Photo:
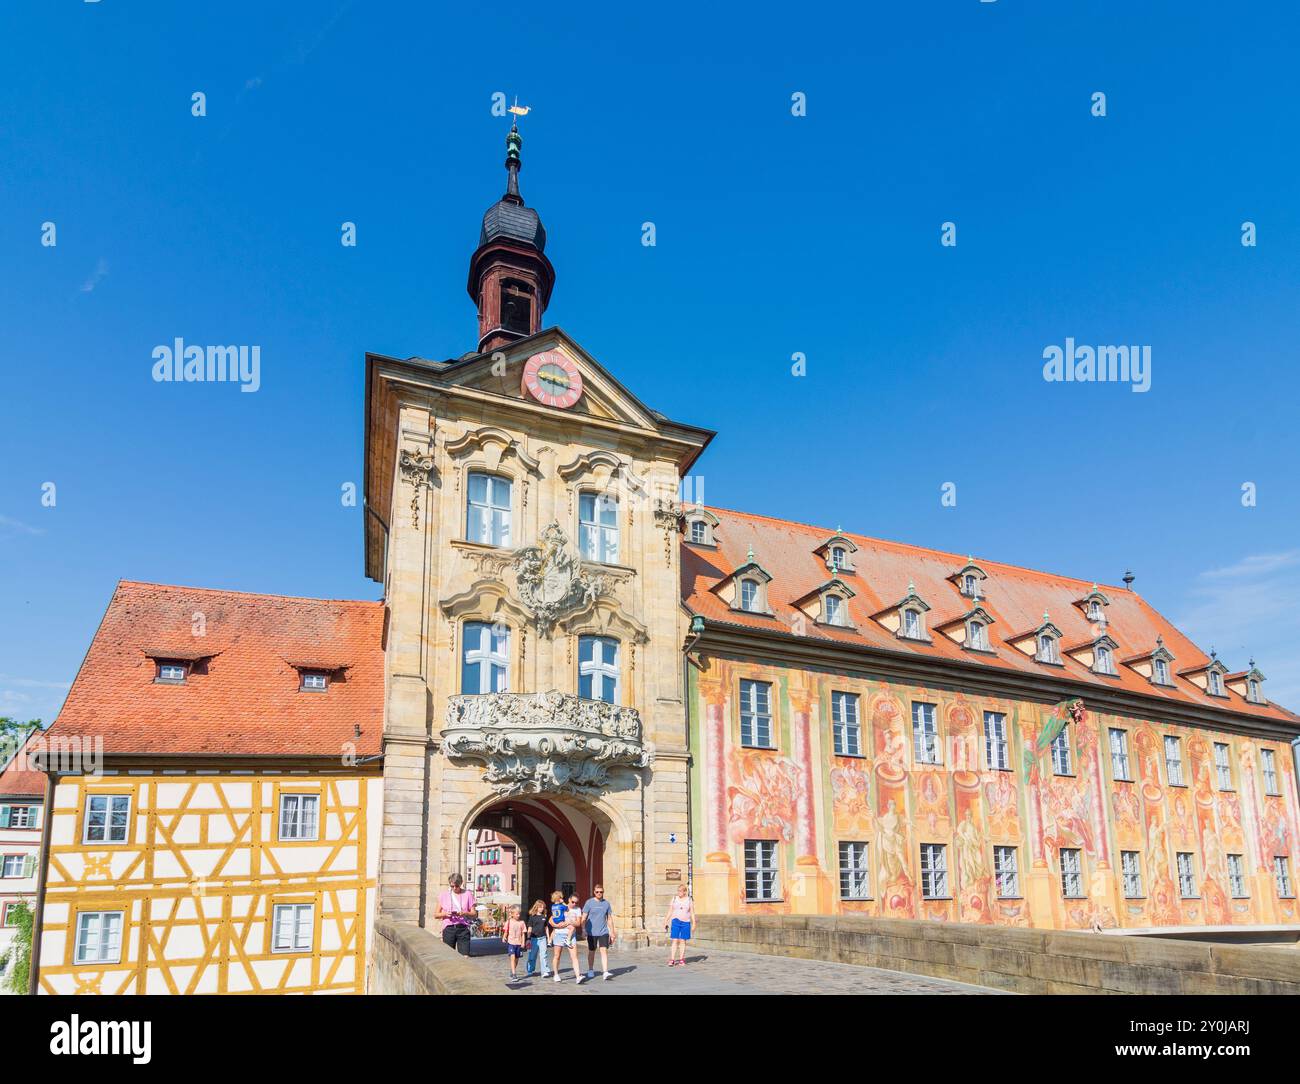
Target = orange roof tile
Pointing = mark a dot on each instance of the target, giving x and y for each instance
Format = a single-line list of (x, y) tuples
[(18, 779), (1015, 597), (245, 699)]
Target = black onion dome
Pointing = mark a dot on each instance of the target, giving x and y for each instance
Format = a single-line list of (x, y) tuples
[(513, 222)]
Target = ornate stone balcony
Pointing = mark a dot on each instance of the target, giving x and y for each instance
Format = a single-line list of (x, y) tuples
[(531, 743)]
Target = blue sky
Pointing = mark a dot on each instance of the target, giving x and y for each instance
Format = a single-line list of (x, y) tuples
[(776, 234)]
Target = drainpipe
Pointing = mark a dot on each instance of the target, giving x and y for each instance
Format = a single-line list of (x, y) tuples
[(38, 917), (697, 630)]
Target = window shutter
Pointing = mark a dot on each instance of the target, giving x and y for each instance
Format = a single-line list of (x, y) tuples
[(29, 866), (5, 811), (37, 813)]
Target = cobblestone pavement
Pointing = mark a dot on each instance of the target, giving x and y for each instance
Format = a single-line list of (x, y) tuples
[(710, 971)]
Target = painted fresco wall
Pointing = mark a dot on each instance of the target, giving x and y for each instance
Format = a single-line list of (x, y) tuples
[(808, 799), (197, 878)]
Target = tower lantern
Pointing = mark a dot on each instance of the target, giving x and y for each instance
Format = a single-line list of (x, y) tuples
[(510, 278)]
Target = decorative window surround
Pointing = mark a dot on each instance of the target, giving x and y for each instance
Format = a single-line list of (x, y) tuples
[(700, 526), (837, 554), (816, 604), (906, 619), (1042, 644), (730, 589), (1097, 655), (1209, 677), (970, 580), (971, 630), (1249, 684), (1093, 606), (1156, 666)]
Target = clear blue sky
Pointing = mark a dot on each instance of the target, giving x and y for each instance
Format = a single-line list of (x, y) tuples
[(776, 234)]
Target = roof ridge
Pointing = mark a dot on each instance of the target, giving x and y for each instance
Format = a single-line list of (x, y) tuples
[(1085, 581), (249, 594)]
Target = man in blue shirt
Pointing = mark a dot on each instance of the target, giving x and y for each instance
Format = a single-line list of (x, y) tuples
[(598, 920)]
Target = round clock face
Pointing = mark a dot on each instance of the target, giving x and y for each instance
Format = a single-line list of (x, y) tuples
[(551, 378)]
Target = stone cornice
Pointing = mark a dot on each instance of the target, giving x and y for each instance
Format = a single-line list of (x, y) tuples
[(808, 653)]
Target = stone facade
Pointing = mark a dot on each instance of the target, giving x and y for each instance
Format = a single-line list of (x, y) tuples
[(618, 771)]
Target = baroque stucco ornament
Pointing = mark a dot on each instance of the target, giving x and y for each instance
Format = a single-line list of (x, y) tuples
[(551, 580), (535, 743)]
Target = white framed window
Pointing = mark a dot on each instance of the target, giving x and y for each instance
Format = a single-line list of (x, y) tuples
[(996, 751), (488, 509), (1006, 872), (756, 714), (17, 816), (1215, 683), (749, 595), (1237, 877), (699, 531), (1094, 610), (1160, 670), (99, 937), (107, 818), (299, 816), (315, 682), (172, 673), (1253, 686), (976, 636), (598, 527), (1268, 768), (846, 727), (1282, 874), (1130, 863), (598, 677), (1119, 764), (925, 734), (1047, 648), (968, 585), (855, 875), (12, 865), (1174, 761), (912, 624), (839, 559), (934, 871), (1223, 765), (1071, 873), (834, 609), (1186, 874), (1102, 662), (762, 880), (291, 927), (1061, 762), (485, 658)]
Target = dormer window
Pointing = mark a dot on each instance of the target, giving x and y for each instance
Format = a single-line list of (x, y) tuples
[(314, 681), (1047, 648), (1253, 693), (838, 558), (1160, 672), (1215, 685), (977, 636), (749, 595), (969, 579), (700, 526), (1102, 660), (837, 551), (172, 673), (834, 609), (1094, 610), (912, 624), (968, 585)]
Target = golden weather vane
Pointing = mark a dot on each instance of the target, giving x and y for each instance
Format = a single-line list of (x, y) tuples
[(517, 109)]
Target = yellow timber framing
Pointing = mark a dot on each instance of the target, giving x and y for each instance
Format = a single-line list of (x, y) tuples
[(209, 876)]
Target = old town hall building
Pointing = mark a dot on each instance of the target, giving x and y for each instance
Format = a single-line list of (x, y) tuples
[(635, 691)]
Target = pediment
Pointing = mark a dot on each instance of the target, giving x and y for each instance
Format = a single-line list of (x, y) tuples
[(501, 373)]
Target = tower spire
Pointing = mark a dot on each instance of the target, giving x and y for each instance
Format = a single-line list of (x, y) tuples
[(514, 141)]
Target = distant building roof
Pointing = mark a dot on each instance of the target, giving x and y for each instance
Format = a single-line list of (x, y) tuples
[(17, 780), (242, 696)]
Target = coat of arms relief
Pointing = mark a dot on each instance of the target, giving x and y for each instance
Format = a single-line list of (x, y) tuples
[(551, 581)]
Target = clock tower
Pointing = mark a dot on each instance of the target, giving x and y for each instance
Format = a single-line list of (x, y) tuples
[(510, 278)]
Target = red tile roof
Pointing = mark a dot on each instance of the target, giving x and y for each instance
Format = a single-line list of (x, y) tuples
[(1015, 597), (242, 697), (17, 779)]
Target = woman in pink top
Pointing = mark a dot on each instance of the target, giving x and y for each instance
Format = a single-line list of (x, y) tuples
[(678, 922)]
